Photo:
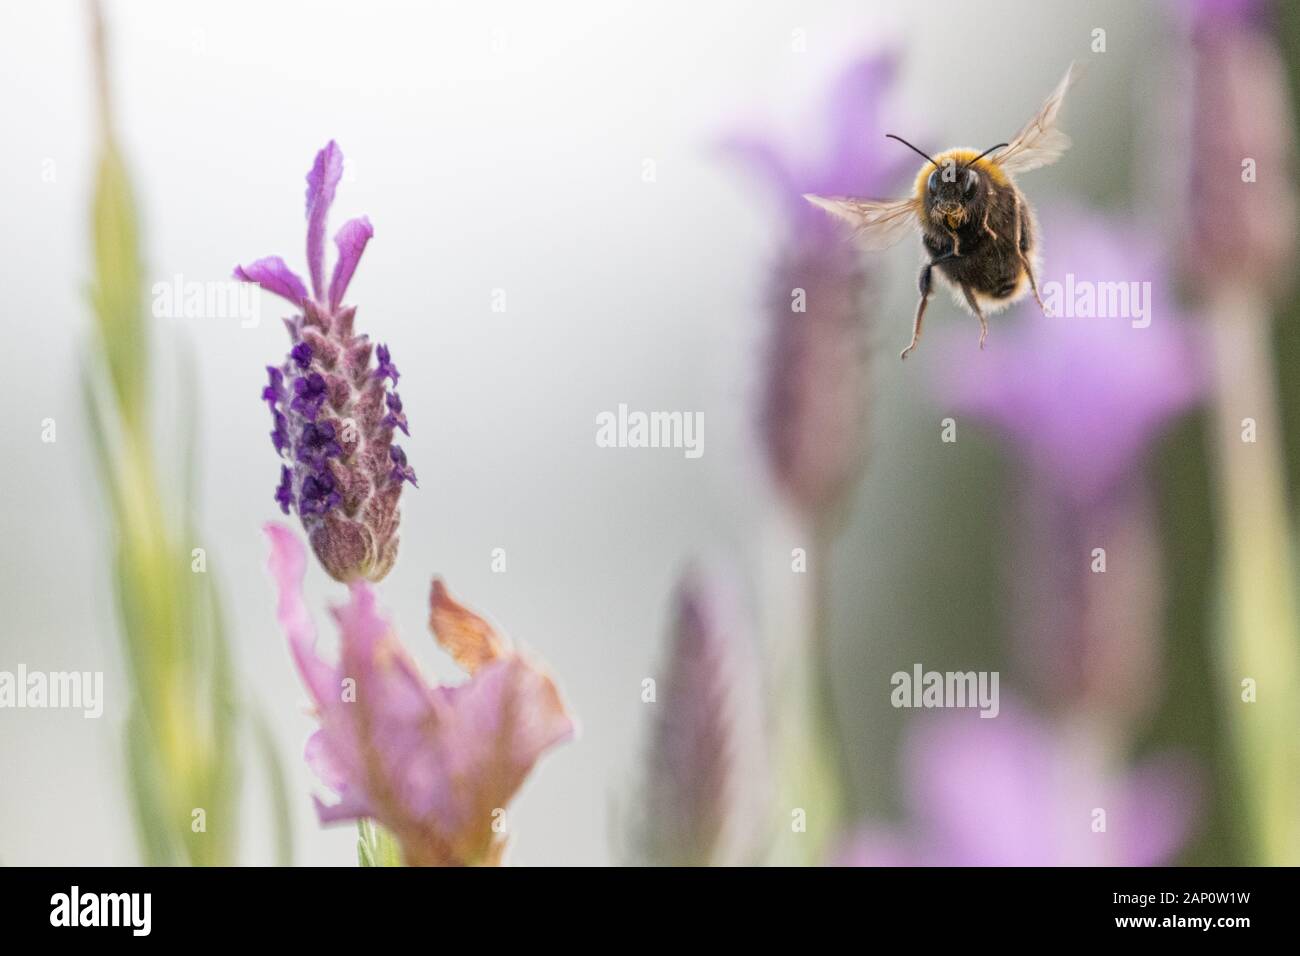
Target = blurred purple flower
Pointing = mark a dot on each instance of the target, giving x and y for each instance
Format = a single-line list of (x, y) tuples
[(1014, 791), (435, 765), (1242, 224), (1214, 14), (333, 418), (852, 160), (706, 750), (814, 414), (1083, 397)]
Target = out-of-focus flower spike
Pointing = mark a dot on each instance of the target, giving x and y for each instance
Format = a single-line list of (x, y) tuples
[(1242, 229), (814, 417), (706, 748), (814, 405), (1240, 256)]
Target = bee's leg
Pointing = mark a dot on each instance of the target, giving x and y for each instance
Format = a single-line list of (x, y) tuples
[(1033, 283), (989, 229), (920, 309), (925, 284), (979, 313), (1021, 247)]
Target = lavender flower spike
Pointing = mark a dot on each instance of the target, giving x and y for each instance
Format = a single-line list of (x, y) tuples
[(814, 417), (333, 413)]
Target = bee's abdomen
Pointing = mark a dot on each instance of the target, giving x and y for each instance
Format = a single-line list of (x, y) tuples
[(989, 268), (1006, 286)]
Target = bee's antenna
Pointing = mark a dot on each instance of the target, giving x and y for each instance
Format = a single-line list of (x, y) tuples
[(983, 154), (914, 149)]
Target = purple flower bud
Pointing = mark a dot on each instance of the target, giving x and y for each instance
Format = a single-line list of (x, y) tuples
[(280, 436), (333, 416), (317, 443), (274, 391), (309, 393), (386, 367), (284, 494), (401, 470), (318, 494), (301, 355), (395, 418)]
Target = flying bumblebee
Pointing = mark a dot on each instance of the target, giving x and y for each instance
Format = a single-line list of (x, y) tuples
[(976, 225)]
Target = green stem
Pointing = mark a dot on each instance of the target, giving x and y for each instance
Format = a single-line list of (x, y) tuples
[(376, 846), (1261, 639), (812, 775), (830, 735)]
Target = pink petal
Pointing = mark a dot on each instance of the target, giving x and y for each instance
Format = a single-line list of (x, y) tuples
[(351, 241), (322, 180), (499, 724), (274, 276), (288, 565), (469, 639), (350, 807)]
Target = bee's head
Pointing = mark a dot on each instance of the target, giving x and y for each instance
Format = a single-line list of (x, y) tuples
[(956, 187), (951, 190)]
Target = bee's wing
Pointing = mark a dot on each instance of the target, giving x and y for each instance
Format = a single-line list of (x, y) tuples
[(1040, 143), (877, 224)]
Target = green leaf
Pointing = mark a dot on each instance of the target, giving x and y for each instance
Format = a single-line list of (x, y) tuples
[(117, 292), (279, 790), (156, 843)]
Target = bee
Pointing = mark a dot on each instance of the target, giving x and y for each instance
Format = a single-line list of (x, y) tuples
[(976, 227)]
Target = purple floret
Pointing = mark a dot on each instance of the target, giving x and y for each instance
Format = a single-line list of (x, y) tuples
[(395, 417), (309, 394), (317, 443), (318, 494), (284, 493), (386, 367), (401, 470), (301, 355)]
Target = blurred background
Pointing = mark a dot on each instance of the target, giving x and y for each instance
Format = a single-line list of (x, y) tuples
[(504, 147)]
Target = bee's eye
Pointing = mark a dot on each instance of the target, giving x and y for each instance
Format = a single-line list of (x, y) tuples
[(933, 182), (972, 178)]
